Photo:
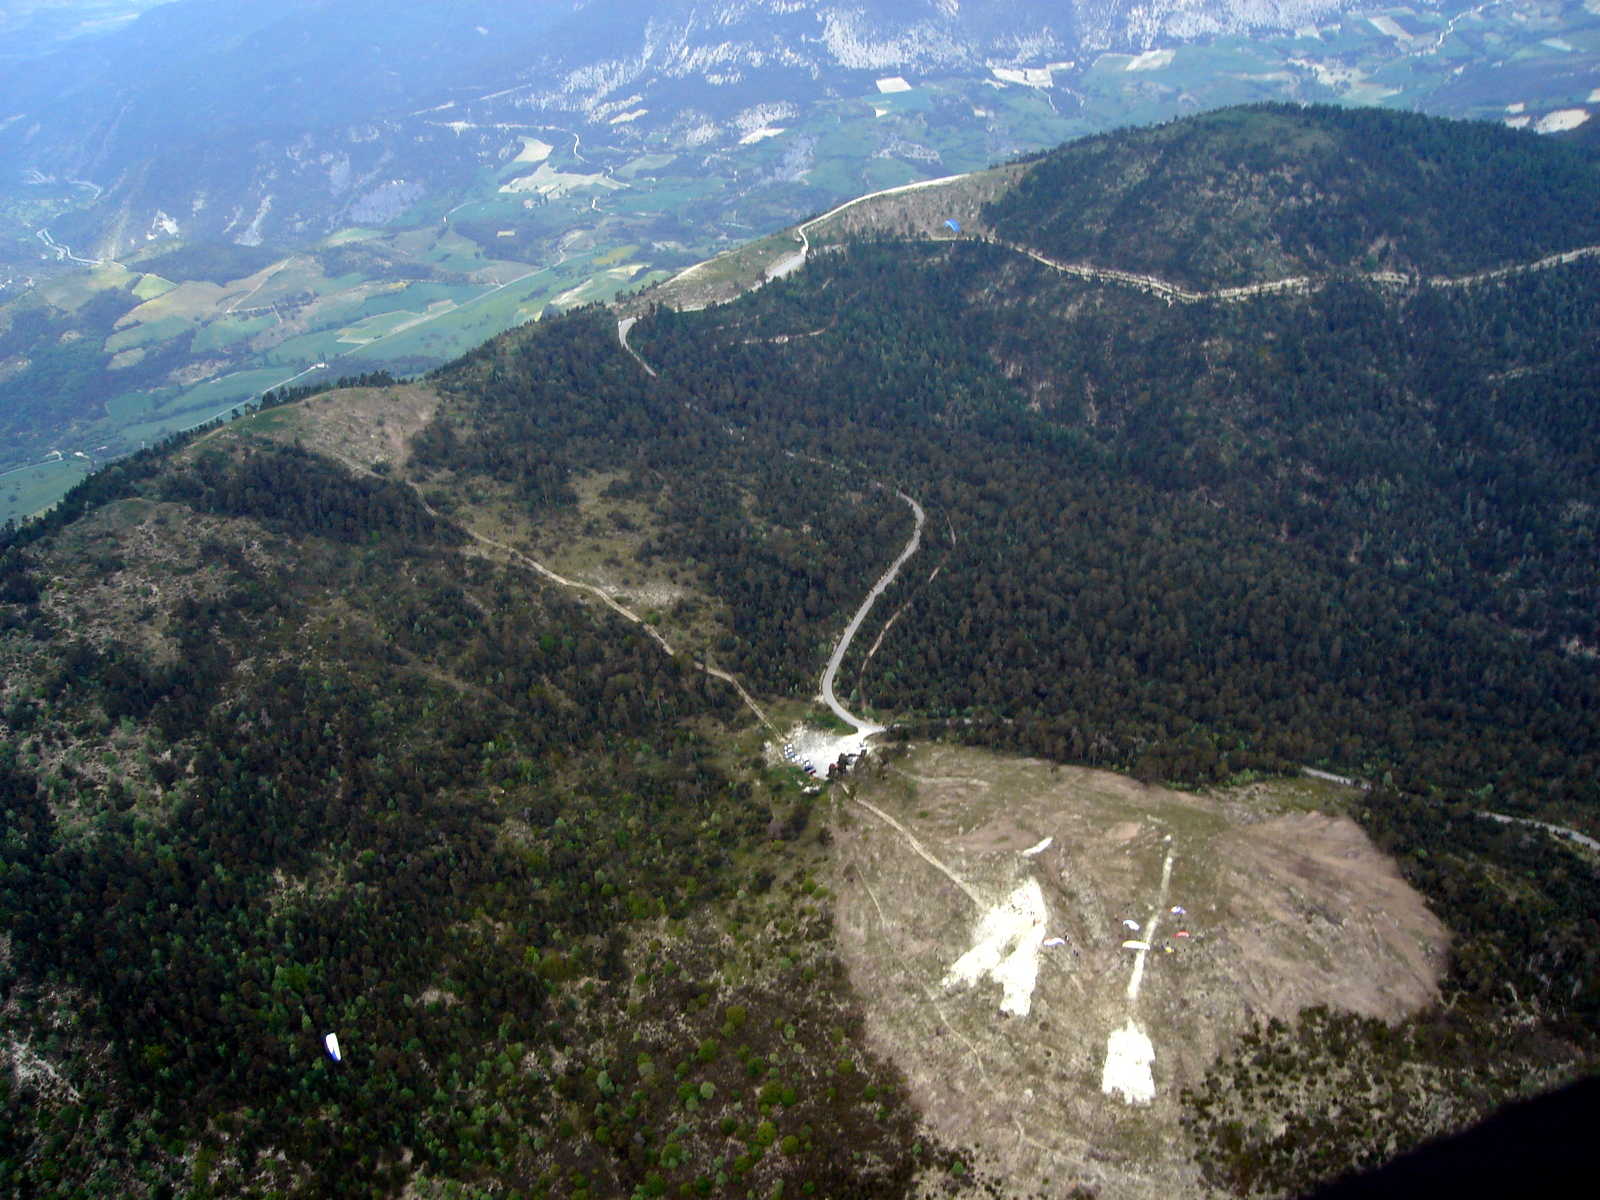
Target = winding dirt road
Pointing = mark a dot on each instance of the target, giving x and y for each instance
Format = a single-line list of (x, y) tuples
[(793, 262), (1174, 293), (798, 259), (843, 645), (1560, 831), (623, 328), (1155, 285)]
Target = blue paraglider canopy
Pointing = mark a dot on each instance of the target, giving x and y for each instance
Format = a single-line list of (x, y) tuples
[(953, 225)]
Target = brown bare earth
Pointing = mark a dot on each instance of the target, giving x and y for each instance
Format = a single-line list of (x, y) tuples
[(360, 426), (1286, 907), (922, 213)]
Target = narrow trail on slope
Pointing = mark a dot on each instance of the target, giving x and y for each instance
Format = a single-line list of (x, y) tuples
[(622, 611), (1171, 292), (911, 840), (555, 577), (933, 996), (1129, 1052), (841, 647), (1148, 937), (266, 278)]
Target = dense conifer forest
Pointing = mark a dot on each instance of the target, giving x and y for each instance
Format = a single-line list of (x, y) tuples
[(367, 785), (1248, 194), (1226, 566)]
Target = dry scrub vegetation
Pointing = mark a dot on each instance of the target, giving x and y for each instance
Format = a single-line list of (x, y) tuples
[(363, 427)]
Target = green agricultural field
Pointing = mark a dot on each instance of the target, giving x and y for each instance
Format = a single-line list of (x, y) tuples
[(370, 329), (28, 490), (229, 331), (889, 172), (151, 286), (242, 385), (216, 397), (346, 237), (307, 349), (455, 331), (645, 164), (146, 334), (452, 252), (665, 196), (612, 257), (918, 99), (131, 406)]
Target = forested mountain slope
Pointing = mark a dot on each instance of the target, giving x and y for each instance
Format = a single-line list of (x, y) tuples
[(1253, 194), (283, 757), (292, 743), (1269, 529)]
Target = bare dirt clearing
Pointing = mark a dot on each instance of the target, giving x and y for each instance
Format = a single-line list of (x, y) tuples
[(1264, 908), (363, 426), (919, 211)]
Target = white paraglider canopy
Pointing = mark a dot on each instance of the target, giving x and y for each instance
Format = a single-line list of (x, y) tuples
[(331, 1041)]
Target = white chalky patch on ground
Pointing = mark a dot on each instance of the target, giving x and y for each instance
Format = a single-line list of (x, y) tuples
[(533, 150), (819, 749), (1594, 96), (1035, 77), (893, 84), (1129, 1057), (556, 184), (1560, 120), (1150, 60), (1039, 849), (1519, 122), (758, 135), (1390, 27), (1006, 948), (1519, 106)]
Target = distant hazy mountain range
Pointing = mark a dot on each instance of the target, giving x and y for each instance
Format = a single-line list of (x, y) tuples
[(260, 120), (29, 26)]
